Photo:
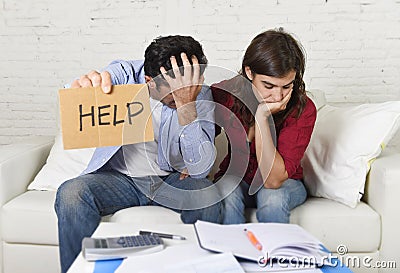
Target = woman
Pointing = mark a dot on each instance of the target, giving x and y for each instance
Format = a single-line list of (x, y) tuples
[(270, 87)]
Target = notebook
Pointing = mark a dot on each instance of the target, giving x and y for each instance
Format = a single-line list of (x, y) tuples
[(279, 242)]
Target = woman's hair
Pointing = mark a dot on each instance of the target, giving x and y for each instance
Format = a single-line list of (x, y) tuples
[(275, 53)]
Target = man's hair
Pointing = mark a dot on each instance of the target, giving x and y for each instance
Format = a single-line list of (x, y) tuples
[(158, 54)]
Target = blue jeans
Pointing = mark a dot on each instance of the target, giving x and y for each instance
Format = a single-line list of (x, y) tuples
[(82, 201), (273, 205)]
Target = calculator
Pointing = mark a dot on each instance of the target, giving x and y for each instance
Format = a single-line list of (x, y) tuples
[(94, 249)]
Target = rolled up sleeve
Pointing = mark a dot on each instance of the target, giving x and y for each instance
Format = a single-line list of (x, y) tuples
[(125, 72)]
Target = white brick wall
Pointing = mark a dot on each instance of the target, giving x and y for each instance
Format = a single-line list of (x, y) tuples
[(352, 46)]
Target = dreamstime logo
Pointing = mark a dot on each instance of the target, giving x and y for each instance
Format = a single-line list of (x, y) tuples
[(340, 260), (287, 262), (171, 148), (353, 261), (342, 250)]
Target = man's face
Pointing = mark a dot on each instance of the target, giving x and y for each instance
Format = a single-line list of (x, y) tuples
[(161, 92), (165, 96)]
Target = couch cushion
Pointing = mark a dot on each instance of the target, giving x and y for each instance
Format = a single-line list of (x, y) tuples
[(31, 258), (145, 215), (30, 218), (336, 224)]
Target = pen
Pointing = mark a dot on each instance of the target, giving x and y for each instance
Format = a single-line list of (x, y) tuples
[(252, 238), (162, 235)]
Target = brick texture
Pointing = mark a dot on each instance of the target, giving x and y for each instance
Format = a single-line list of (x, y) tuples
[(352, 46)]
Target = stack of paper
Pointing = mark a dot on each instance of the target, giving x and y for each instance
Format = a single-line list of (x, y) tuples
[(280, 242)]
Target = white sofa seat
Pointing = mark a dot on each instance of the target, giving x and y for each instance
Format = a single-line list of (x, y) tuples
[(333, 223), (30, 219)]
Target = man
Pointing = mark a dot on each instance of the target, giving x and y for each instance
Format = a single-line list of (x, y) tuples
[(169, 171)]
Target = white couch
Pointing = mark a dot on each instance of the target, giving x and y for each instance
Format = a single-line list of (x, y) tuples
[(28, 223)]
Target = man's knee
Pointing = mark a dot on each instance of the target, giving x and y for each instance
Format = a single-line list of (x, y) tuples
[(69, 194)]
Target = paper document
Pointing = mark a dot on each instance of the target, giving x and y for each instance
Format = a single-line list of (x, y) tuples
[(266, 242), (188, 258), (217, 263)]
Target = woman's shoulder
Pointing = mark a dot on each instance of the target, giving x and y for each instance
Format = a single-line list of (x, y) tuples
[(309, 114), (310, 108), (220, 92)]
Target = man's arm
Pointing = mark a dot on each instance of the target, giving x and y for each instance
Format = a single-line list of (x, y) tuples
[(126, 72), (198, 130), (195, 110), (197, 138), (117, 72)]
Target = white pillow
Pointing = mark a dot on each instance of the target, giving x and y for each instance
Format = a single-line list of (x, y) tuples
[(342, 146), (61, 166)]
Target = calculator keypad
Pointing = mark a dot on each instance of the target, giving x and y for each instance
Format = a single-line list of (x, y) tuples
[(139, 240)]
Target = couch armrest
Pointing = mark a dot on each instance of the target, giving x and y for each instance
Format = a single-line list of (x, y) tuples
[(19, 163), (382, 194)]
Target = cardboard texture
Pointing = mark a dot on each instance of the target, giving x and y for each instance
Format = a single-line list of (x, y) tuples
[(91, 118)]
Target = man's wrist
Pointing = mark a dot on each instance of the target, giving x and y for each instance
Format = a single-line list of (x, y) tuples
[(187, 113)]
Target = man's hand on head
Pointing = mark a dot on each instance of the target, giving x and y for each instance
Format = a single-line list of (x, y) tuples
[(94, 79), (185, 88)]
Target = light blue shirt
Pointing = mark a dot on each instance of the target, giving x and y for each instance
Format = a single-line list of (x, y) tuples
[(189, 146)]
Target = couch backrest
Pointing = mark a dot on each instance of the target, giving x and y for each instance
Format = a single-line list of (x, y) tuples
[(318, 97)]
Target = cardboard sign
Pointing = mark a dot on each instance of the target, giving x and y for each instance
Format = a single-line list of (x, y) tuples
[(91, 118)]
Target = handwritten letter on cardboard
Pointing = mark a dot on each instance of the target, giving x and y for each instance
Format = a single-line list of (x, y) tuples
[(91, 118)]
